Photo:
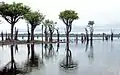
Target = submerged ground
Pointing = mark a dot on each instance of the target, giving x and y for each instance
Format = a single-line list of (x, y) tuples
[(103, 58)]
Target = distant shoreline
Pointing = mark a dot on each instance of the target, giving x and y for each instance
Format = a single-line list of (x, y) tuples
[(63, 35), (25, 42)]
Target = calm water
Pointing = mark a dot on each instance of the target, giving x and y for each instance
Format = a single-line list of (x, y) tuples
[(103, 58)]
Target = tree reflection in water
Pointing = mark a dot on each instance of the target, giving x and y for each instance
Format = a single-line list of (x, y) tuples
[(16, 48), (58, 45), (90, 53), (49, 51), (34, 62), (46, 47), (86, 46), (28, 47), (11, 68)]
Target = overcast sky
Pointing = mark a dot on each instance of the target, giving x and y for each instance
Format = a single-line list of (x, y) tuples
[(105, 13)]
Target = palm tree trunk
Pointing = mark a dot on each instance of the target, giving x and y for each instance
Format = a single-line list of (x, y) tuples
[(28, 40), (42, 41), (58, 36), (87, 36), (67, 37), (12, 55), (51, 36), (32, 34), (111, 36), (46, 35), (103, 36), (91, 35), (12, 26), (2, 36)]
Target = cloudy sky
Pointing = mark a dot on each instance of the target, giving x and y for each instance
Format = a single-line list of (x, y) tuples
[(105, 13)]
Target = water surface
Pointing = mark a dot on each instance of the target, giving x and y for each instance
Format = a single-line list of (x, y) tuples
[(103, 58)]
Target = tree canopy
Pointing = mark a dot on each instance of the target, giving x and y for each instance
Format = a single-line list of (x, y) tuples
[(68, 16), (90, 25), (34, 18), (13, 12), (91, 22), (46, 22), (49, 22)]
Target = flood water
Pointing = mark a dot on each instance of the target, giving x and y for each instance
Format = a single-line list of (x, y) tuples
[(102, 58)]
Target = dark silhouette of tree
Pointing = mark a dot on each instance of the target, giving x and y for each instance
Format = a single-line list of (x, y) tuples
[(87, 35), (58, 40), (111, 35), (103, 36), (91, 54), (28, 47), (28, 40), (34, 19), (58, 34), (76, 35), (2, 36), (45, 24), (58, 45), (51, 27), (11, 68), (42, 41), (68, 16), (46, 50), (6, 36), (12, 13), (90, 25), (33, 62), (16, 48), (16, 34)]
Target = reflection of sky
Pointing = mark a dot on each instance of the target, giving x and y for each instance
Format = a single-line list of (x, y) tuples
[(106, 58)]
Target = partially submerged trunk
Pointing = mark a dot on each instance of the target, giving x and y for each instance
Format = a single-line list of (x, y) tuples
[(12, 27), (42, 41), (76, 38), (67, 44), (50, 39), (16, 34), (103, 36), (91, 36), (58, 36), (32, 32), (46, 35), (6, 36), (2, 37), (112, 36), (28, 40)]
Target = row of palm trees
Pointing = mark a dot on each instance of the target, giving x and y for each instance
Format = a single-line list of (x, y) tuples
[(12, 13)]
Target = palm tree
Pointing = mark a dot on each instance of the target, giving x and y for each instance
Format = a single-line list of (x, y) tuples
[(34, 19), (68, 16), (12, 13), (51, 27), (90, 25), (45, 24)]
